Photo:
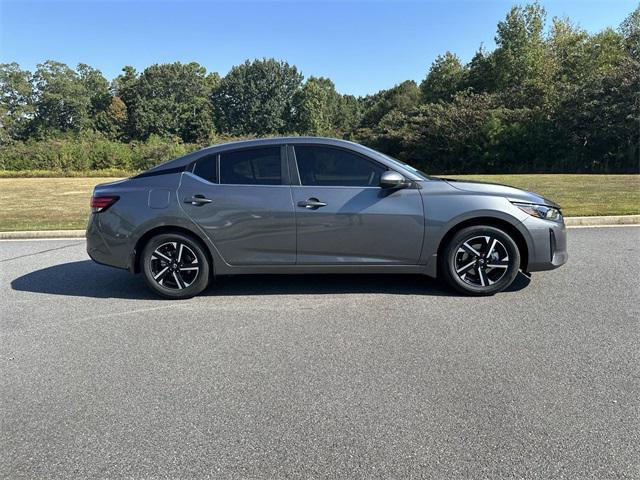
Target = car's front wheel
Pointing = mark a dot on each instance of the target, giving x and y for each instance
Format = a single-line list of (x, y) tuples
[(480, 260), (175, 265)]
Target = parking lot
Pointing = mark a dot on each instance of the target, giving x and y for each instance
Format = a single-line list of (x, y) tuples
[(320, 376)]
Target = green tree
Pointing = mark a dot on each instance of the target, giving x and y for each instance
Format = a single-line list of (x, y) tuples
[(16, 101), (551, 100), (168, 99), (630, 30), (348, 114), (444, 79), (257, 98), (113, 120), (568, 44), (97, 88), (62, 101), (316, 107), (480, 75), (605, 52), (472, 133), (403, 98), (596, 126), (124, 87), (442, 137), (522, 63), (579, 56)]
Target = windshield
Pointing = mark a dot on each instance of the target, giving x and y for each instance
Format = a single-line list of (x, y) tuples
[(407, 166)]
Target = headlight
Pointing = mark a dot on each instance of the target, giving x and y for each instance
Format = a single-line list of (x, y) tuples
[(540, 211)]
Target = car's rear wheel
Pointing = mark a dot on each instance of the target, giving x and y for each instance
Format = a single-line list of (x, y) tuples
[(175, 265), (480, 260)]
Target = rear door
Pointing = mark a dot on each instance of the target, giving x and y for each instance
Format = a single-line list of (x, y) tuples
[(242, 200), (344, 217)]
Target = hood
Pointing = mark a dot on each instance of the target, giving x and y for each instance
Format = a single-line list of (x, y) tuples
[(498, 190)]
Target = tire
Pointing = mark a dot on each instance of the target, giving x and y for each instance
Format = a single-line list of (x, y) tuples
[(175, 266), (480, 260)]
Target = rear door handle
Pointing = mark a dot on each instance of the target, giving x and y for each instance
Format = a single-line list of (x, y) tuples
[(198, 200), (311, 203)]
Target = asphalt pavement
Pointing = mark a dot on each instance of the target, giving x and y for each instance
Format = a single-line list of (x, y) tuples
[(320, 376)]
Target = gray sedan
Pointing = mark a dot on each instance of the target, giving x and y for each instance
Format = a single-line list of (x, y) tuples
[(317, 205)]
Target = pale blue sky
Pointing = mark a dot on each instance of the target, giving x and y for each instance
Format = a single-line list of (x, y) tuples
[(362, 46)]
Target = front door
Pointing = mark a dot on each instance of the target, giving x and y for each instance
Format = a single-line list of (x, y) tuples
[(344, 217), (243, 203)]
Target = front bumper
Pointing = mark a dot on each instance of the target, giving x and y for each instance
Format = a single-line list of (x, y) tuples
[(548, 248)]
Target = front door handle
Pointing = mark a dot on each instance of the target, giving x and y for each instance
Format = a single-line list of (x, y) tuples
[(311, 203), (198, 200)]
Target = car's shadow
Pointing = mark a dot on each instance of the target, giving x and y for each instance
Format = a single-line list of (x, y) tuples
[(88, 279)]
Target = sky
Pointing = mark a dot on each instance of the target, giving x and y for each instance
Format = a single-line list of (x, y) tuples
[(363, 46)]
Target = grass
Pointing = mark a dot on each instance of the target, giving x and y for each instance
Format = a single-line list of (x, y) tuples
[(45, 203), (107, 172), (63, 203)]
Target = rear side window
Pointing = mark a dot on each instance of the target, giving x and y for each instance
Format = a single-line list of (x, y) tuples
[(325, 166), (207, 168), (255, 166)]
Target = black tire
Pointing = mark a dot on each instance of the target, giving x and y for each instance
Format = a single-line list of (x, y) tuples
[(492, 270), (175, 265)]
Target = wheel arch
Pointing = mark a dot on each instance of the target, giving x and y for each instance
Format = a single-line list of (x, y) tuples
[(500, 223), (136, 253)]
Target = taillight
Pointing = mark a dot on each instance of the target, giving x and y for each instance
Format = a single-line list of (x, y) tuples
[(100, 204)]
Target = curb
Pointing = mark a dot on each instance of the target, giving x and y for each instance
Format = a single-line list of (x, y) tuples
[(600, 221), (611, 220), (42, 234)]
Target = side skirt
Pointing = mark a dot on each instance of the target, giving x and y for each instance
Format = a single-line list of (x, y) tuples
[(317, 269)]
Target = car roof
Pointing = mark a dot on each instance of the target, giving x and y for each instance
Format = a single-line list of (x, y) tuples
[(257, 142), (274, 141)]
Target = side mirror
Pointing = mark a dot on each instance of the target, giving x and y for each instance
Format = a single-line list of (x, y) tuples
[(390, 179)]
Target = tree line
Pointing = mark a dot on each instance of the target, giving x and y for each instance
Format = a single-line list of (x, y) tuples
[(550, 97)]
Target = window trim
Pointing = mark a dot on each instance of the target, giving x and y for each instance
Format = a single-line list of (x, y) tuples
[(218, 168), (298, 178), (292, 166)]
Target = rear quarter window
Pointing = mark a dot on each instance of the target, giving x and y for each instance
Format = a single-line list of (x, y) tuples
[(207, 168)]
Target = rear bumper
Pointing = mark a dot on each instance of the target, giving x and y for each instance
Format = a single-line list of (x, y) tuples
[(548, 244), (98, 248)]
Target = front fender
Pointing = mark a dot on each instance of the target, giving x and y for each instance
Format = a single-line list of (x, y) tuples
[(445, 213)]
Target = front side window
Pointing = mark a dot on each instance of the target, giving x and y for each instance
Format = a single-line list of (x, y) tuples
[(325, 166), (255, 166)]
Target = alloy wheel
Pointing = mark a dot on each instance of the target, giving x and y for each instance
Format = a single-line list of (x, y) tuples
[(481, 261), (174, 265)]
